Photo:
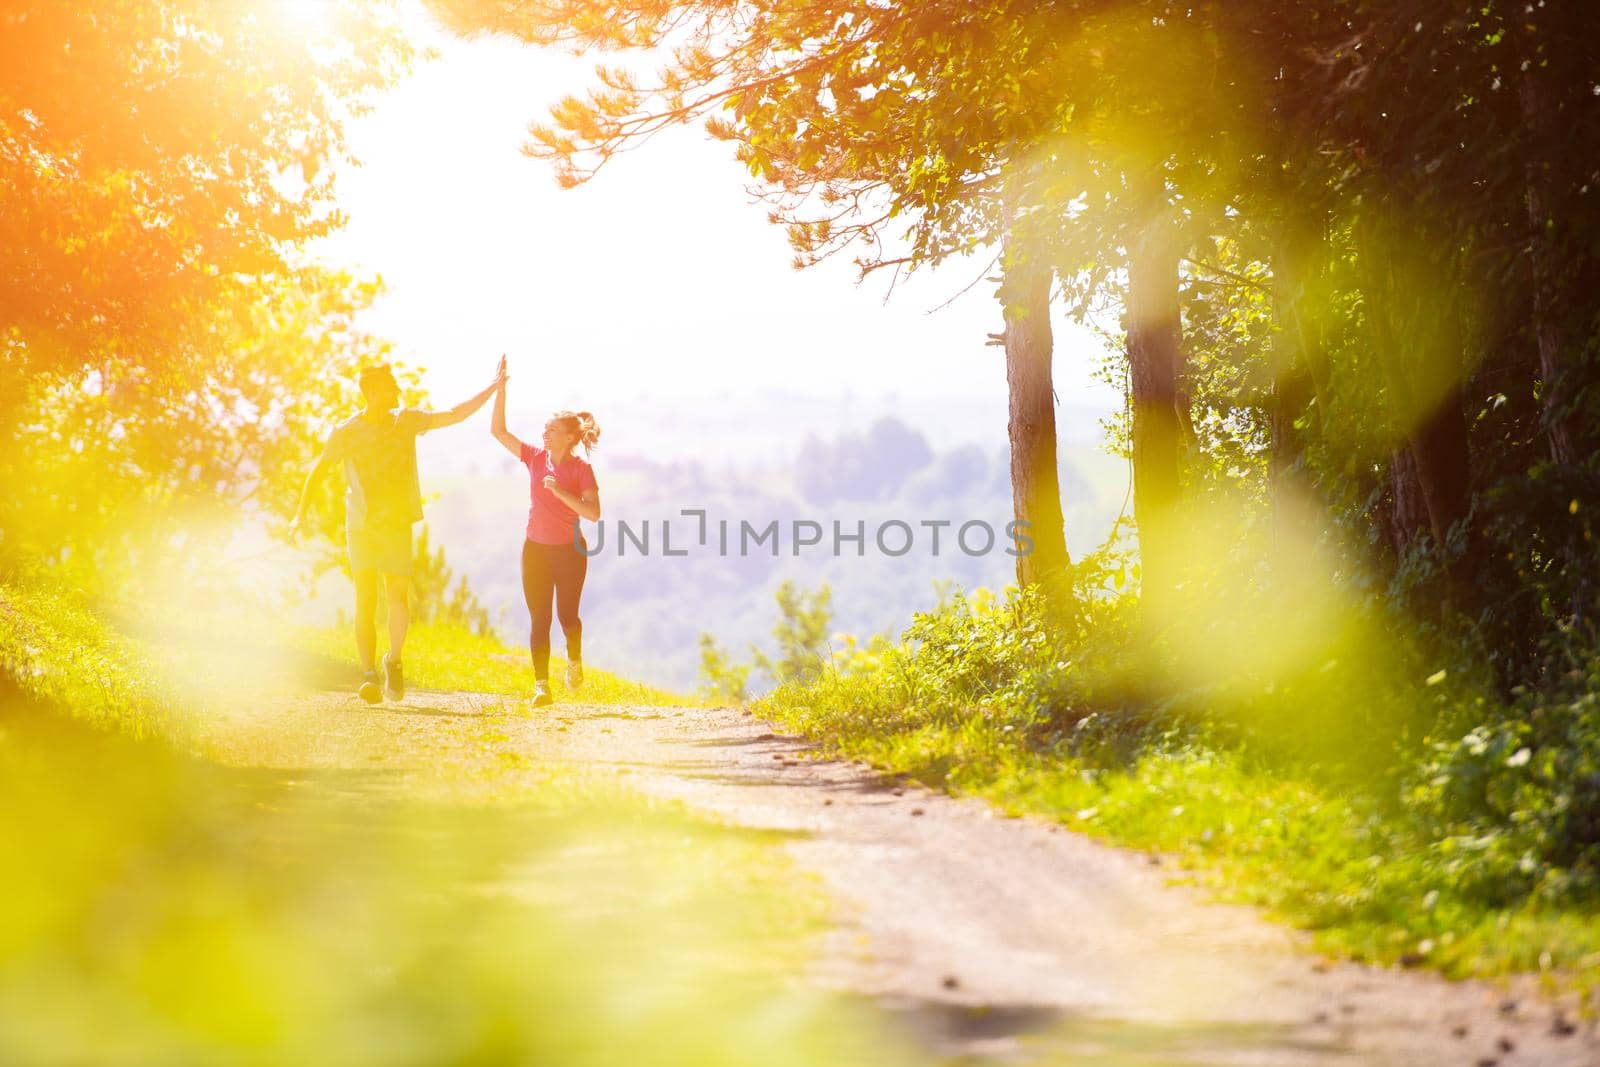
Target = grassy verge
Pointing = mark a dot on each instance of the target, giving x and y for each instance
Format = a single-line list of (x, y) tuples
[(57, 650), (452, 658), (1370, 864), (148, 673), (159, 908)]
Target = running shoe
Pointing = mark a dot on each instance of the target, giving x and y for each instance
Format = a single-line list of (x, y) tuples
[(574, 674), (371, 689), (394, 682), (541, 694)]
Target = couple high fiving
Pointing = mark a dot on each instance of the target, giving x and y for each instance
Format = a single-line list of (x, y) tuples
[(377, 448)]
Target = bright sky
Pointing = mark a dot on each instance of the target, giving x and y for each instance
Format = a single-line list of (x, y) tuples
[(659, 279)]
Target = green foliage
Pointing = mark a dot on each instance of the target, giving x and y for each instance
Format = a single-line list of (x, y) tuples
[(801, 634), (167, 357), (434, 599), (1512, 805), (804, 650), (725, 680), (1350, 800), (161, 138), (117, 467), (56, 649)]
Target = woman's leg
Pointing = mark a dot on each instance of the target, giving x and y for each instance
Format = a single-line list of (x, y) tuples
[(538, 582), (571, 567)]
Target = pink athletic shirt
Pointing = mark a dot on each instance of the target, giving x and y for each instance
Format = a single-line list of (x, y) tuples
[(549, 520)]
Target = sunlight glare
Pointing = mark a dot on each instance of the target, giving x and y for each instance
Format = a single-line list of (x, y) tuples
[(310, 18)]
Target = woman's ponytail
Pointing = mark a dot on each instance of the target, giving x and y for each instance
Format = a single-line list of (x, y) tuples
[(587, 429)]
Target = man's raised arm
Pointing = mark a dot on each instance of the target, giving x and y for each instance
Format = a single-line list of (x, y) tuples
[(433, 420)]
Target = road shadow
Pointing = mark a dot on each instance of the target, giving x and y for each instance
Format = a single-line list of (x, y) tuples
[(585, 716), (741, 742), (428, 710), (965, 1032)]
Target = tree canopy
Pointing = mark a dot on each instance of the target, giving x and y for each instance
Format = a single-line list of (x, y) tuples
[(1351, 242), (166, 344)]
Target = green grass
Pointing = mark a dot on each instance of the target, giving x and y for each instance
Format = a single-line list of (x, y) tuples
[(160, 908), (148, 671), (452, 658), (56, 649), (1334, 860)]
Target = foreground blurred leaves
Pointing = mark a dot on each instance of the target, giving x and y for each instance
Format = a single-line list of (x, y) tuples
[(282, 907)]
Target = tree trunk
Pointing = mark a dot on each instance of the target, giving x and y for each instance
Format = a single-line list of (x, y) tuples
[(1541, 116), (1154, 360), (1031, 428), (1439, 447), (1550, 334), (1405, 516), (1298, 362), (1292, 392), (1430, 475), (1550, 66), (1430, 490), (1435, 434), (1293, 514)]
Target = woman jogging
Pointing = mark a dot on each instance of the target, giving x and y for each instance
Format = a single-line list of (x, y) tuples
[(562, 489)]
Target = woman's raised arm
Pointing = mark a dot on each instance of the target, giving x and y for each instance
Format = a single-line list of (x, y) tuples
[(497, 421)]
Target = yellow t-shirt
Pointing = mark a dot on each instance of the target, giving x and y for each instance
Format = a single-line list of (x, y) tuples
[(380, 467)]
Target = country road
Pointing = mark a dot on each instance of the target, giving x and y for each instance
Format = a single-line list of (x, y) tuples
[(983, 938)]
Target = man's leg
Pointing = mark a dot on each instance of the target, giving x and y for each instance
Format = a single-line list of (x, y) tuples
[(399, 589), (366, 609)]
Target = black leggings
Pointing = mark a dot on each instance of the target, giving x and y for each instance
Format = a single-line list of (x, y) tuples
[(559, 569)]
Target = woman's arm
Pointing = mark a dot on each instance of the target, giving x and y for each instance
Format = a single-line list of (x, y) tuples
[(497, 420), (587, 506)]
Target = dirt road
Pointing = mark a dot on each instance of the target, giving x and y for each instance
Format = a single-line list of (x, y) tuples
[(985, 937)]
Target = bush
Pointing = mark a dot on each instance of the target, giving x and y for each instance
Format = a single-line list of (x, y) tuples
[(1512, 805), (1372, 784)]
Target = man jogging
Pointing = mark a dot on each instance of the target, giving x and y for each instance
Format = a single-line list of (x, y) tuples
[(378, 448)]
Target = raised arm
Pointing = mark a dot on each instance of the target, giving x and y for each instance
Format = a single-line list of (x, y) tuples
[(433, 420), (497, 420)]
